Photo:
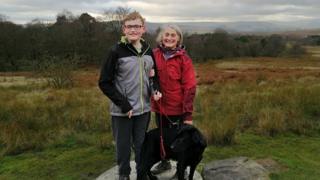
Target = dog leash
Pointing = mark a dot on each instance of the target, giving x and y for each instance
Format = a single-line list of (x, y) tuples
[(162, 149), (165, 115)]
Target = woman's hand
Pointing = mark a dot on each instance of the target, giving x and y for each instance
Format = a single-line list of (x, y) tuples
[(152, 73), (188, 122), (157, 95)]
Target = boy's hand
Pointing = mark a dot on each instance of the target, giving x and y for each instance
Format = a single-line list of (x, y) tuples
[(130, 114), (151, 73), (188, 122), (157, 95)]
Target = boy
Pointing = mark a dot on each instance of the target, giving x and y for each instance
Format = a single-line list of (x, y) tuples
[(126, 80)]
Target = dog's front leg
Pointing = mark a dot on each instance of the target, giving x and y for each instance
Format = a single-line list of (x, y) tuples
[(191, 173), (144, 173), (146, 176), (151, 162), (193, 167), (151, 176)]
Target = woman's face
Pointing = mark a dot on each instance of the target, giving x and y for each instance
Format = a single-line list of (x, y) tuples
[(170, 38)]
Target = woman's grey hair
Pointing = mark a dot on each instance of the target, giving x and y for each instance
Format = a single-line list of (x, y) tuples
[(171, 26)]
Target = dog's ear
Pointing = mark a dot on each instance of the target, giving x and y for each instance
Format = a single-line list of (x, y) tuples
[(182, 142)]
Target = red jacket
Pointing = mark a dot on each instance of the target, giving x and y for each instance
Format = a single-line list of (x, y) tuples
[(177, 84)]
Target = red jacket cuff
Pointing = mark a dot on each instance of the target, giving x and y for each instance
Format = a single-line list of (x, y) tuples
[(187, 116)]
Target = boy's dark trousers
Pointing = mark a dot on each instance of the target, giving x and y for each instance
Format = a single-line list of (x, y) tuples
[(129, 133)]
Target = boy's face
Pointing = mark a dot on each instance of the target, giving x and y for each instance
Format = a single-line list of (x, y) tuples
[(170, 38), (133, 30)]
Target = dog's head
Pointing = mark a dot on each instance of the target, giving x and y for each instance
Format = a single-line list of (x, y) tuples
[(187, 137)]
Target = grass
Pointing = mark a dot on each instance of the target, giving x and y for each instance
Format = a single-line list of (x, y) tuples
[(9, 81), (297, 156), (251, 69), (35, 118), (268, 108), (73, 162), (269, 63), (313, 50)]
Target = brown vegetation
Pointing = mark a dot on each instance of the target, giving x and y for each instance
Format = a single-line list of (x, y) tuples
[(241, 69), (256, 69)]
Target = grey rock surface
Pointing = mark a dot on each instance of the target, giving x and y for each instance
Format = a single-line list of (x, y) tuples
[(240, 168), (112, 174)]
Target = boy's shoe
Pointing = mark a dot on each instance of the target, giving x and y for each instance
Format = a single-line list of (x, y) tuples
[(124, 177), (161, 167)]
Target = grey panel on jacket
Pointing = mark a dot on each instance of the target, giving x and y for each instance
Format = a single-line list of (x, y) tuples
[(132, 71)]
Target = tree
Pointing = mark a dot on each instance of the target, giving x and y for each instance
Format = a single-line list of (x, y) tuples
[(11, 49), (3, 18), (64, 17), (272, 45), (115, 16), (34, 40)]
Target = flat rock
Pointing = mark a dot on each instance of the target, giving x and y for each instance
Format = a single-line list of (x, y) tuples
[(240, 168), (112, 173)]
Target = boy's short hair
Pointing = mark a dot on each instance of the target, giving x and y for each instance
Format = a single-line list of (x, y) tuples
[(132, 16), (171, 26)]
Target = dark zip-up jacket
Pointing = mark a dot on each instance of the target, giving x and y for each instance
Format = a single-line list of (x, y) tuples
[(125, 80)]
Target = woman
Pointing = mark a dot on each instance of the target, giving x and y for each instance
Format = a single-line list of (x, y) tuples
[(177, 83)]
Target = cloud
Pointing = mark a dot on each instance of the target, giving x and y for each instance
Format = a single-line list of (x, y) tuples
[(22, 11)]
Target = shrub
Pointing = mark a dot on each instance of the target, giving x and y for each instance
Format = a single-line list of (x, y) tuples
[(58, 72)]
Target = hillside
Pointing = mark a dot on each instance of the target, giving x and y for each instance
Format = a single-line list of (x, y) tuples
[(296, 27)]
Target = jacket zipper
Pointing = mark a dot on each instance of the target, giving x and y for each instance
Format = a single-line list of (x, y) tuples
[(141, 82), (141, 75)]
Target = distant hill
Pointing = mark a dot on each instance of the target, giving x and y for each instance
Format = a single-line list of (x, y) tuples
[(244, 27)]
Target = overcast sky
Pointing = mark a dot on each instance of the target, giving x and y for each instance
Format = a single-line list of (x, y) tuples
[(23, 11)]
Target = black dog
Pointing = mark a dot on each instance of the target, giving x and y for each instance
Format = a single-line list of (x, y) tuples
[(184, 145)]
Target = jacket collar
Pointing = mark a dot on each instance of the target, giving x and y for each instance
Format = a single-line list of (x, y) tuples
[(171, 53), (125, 43)]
